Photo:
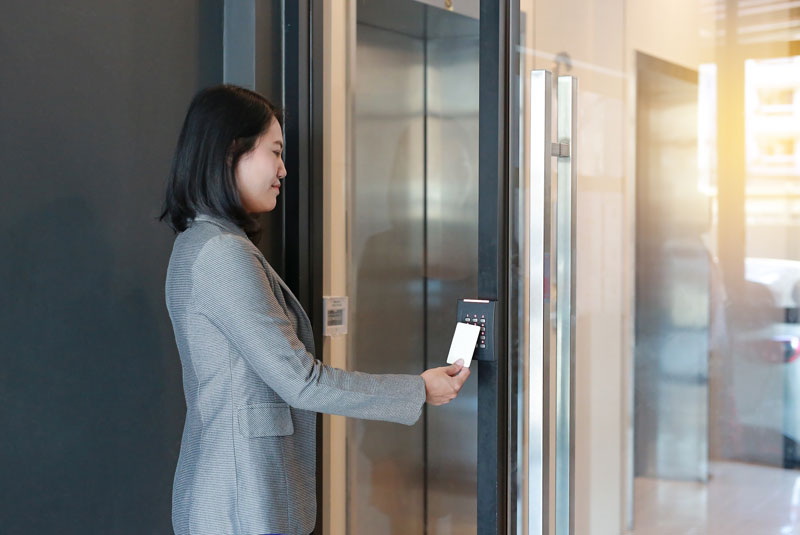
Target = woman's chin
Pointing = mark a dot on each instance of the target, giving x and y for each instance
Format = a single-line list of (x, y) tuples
[(267, 206)]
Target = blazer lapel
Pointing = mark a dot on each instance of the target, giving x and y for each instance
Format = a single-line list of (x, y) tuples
[(294, 303), (288, 296)]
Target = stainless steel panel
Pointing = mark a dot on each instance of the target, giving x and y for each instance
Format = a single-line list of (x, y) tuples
[(414, 252), (386, 471), (452, 263), (565, 307)]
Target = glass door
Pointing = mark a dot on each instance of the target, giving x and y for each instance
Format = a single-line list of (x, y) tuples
[(448, 196), (652, 388), (441, 205), (576, 413), (685, 412)]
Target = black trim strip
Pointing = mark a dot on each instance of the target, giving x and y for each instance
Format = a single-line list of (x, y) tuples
[(493, 265), (303, 130)]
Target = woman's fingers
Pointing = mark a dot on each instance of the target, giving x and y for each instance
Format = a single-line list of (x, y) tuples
[(454, 368), (461, 378), (443, 384)]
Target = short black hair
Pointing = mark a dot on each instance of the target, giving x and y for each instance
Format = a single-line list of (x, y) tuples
[(222, 124)]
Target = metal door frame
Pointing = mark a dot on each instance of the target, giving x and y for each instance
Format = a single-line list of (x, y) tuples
[(303, 218), (498, 142)]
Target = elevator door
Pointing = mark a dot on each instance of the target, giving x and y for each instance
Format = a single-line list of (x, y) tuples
[(413, 209)]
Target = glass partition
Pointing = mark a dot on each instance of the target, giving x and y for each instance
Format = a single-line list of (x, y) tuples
[(687, 263), (688, 267)]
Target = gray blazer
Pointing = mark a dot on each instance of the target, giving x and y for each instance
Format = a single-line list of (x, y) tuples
[(252, 387)]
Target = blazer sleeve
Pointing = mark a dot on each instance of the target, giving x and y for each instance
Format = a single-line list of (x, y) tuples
[(231, 289)]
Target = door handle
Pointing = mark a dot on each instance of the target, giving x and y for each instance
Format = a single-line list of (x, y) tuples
[(549, 220), (539, 227)]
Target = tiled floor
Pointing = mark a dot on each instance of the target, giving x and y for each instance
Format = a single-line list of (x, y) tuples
[(739, 499)]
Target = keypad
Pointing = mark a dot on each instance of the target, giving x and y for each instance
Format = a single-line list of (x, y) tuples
[(480, 312), (482, 321)]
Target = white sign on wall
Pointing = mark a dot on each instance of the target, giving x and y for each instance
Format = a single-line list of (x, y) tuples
[(334, 316)]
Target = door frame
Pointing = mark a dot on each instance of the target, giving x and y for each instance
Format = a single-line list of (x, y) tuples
[(498, 146), (498, 149)]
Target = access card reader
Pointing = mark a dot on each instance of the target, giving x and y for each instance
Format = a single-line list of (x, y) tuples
[(480, 312)]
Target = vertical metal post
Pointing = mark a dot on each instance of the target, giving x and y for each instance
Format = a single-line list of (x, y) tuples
[(493, 263), (537, 355), (565, 308), (301, 208)]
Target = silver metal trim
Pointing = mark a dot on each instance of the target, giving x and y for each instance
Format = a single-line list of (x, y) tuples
[(565, 308), (538, 227)]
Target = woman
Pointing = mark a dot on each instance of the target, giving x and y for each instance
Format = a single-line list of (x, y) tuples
[(252, 385)]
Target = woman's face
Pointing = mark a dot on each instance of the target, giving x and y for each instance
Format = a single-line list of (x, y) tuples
[(259, 172)]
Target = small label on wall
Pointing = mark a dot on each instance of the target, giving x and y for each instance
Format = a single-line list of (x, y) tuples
[(334, 316)]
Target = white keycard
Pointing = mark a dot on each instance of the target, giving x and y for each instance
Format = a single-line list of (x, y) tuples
[(463, 344)]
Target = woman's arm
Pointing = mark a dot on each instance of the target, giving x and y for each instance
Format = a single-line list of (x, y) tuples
[(231, 289)]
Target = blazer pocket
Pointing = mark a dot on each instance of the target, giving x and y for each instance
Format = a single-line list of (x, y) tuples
[(265, 420)]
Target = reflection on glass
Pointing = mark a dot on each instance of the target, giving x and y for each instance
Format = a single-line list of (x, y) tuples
[(753, 334), (689, 239), (772, 109), (688, 276)]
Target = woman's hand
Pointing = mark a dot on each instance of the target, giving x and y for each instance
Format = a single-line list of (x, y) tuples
[(442, 384)]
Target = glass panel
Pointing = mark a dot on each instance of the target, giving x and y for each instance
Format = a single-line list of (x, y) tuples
[(585, 39), (688, 259)]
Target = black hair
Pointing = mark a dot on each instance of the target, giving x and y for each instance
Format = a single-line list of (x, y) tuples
[(222, 124)]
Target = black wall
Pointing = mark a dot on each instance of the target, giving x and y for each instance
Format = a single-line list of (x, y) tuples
[(92, 95)]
